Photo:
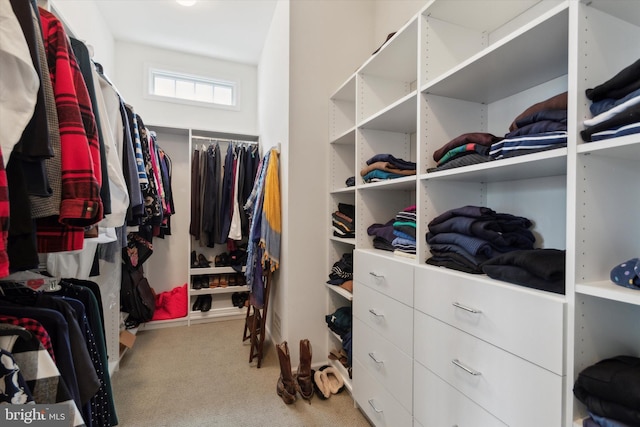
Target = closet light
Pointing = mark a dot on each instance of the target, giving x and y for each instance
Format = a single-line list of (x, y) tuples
[(186, 2)]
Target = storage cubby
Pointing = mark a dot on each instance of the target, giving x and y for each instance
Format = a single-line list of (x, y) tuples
[(604, 329), (390, 74), (342, 164), (380, 204), (521, 47), (371, 142), (342, 110)]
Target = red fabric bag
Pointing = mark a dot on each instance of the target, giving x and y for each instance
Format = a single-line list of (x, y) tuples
[(171, 304)]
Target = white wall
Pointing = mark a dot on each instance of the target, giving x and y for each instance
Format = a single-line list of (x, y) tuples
[(273, 81), (273, 113), (391, 15), (328, 41), (86, 23), (130, 79)]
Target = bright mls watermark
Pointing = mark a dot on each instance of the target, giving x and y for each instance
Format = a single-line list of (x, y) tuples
[(55, 415)]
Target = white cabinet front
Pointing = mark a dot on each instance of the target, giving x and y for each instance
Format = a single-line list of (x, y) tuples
[(525, 322), (512, 389), (387, 317)]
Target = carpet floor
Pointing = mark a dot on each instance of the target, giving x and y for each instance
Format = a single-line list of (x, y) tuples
[(200, 376)]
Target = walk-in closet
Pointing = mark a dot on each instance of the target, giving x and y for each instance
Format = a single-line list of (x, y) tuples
[(400, 213)]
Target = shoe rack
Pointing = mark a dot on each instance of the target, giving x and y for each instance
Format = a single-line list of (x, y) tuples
[(216, 285)]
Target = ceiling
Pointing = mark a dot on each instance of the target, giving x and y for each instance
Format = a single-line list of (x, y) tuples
[(232, 30)]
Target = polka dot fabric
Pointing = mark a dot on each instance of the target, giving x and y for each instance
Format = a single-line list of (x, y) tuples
[(627, 274)]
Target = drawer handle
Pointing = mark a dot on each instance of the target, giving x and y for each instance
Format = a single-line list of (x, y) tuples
[(377, 276), (373, 356), (374, 406), (375, 313), (466, 368), (465, 308)]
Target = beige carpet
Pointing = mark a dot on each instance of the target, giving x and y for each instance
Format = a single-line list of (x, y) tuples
[(201, 376)]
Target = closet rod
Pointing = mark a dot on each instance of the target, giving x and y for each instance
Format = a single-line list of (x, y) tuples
[(206, 138)]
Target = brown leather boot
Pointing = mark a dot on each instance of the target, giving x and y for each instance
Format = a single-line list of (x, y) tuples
[(286, 387), (304, 377)]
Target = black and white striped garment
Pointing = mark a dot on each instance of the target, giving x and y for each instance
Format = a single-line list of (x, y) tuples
[(42, 376)]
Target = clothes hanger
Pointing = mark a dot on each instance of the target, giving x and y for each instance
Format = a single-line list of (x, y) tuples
[(7, 329), (32, 280)]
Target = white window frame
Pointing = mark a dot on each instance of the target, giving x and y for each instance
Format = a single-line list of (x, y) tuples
[(152, 71)]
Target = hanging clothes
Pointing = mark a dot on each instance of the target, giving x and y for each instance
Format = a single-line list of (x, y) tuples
[(219, 189), (68, 325), (263, 252)]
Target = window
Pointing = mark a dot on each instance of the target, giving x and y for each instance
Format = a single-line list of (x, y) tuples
[(183, 87)]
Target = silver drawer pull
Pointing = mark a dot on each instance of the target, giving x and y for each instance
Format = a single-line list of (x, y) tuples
[(373, 356), (465, 368), (377, 276), (374, 406), (375, 313), (465, 308)]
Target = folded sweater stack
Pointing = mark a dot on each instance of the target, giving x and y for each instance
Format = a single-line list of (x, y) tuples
[(344, 221), (404, 230), (342, 272), (542, 126), (611, 389), (464, 238), (382, 167), (615, 107)]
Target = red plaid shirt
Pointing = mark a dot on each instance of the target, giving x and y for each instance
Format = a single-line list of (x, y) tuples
[(80, 151)]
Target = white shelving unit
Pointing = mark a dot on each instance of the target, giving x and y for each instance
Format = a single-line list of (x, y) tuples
[(179, 144), (473, 66), (342, 136), (222, 307)]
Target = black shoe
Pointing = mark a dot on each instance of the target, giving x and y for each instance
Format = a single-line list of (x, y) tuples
[(196, 283), (206, 303), (197, 305), (194, 260), (203, 262)]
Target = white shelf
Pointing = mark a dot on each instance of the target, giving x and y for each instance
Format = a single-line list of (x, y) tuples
[(396, 59), (348, 137), (625, 10), (213, 270), (608, 290), (343, 372), (536, 165), (343, 190), (397, 117), (218, 290), (340, 291), (347, 91), (350, 241), (465, 14), (625, 147), (215, 313), (535, 54), (404, 183)]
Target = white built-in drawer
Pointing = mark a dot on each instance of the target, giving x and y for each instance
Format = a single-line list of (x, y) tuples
[(516, 391), (384, 361), (376, 401), (525, 322), (436, 403), (387, 317), (392, 277)]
